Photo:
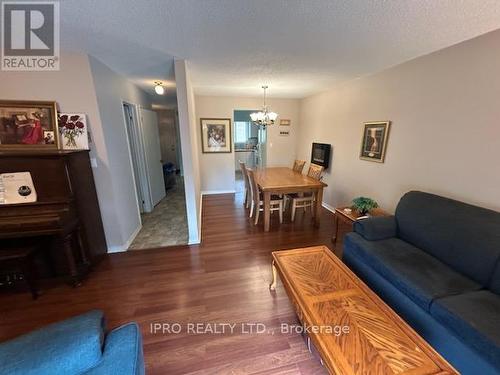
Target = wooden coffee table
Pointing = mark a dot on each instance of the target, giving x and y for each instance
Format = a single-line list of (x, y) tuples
[(326, 293)]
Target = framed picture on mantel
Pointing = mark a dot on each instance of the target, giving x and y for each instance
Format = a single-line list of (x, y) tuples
[(374, 142), (28, 125), (216, 135), (73, 131)]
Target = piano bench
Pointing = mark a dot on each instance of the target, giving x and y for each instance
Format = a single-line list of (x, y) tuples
[(21, 259)]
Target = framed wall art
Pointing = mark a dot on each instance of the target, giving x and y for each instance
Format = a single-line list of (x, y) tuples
[(216, 135), (73, 131), (28, 125), (374, 142)]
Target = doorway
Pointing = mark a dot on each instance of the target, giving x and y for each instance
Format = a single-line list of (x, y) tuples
[(159, 186), (249, 145)]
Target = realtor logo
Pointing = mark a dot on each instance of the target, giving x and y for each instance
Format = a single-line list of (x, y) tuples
[(30, 35)]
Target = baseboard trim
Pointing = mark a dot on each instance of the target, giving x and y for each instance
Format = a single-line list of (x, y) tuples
[(328, 207), (210, 192), (126, 245)]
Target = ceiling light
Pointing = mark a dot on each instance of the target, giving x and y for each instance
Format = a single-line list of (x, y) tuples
[(159, 89), (264, 117)]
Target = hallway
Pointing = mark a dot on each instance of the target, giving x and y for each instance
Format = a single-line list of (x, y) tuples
[(166, 225)]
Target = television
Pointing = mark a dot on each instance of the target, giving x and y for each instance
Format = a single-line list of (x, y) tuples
[(320, 154)]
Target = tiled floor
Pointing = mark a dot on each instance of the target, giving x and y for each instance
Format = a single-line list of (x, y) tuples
[(167, 224)]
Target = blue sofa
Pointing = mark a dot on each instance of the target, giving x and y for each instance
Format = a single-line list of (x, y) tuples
[(76, 346), (437, 263)]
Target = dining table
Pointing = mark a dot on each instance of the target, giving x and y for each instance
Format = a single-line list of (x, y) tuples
[(283, 180)]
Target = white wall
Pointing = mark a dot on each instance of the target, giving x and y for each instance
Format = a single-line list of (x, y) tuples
[(217, 170), (189, 148), (111, 90), (445, 136)]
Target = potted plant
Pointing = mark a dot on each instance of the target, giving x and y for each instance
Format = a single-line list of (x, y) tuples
[(363, 205)]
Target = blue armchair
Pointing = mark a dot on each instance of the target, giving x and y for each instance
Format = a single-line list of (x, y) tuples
[(79, 345)]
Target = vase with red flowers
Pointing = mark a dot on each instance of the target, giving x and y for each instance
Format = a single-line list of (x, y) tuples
[(72, 128)]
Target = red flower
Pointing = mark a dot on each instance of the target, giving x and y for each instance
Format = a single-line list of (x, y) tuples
[(80, 125), (75, 118), (62, 120), (70, 125)]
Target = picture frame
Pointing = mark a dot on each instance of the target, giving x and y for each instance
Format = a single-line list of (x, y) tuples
[(28, 125), (374, 141), (216, 135), (73, 131)]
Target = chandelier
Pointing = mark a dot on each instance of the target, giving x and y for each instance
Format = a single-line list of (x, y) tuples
[(264, 117)]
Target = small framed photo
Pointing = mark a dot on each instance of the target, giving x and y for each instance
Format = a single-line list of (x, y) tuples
[(216, 135), (49, 137), (28, 125), (374, 142), (285, 122)]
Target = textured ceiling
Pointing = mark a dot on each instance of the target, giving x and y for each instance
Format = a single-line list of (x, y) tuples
[(297, 47)]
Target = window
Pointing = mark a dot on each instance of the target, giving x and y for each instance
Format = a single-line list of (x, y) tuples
[(240, 132)]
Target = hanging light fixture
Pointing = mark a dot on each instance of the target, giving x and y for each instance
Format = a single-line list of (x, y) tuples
[(159, 89), (265, 117)]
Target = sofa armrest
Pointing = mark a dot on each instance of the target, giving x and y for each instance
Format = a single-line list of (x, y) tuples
[(70, 346), (123, 352), (376, 228)]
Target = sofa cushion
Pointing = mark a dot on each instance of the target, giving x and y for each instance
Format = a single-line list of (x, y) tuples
[(64, 348), (495, 280), (463, 236), (475, 318), (417, 274)]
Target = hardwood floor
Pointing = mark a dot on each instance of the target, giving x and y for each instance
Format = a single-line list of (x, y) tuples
[(223, 280)]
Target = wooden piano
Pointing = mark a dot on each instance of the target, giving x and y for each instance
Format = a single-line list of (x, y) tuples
[(66, 217)]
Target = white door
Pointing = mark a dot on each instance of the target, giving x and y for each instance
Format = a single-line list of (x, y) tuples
[(134, 153), (152, 152)]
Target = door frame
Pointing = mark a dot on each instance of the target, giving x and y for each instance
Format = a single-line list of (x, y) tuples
[(135, 138)]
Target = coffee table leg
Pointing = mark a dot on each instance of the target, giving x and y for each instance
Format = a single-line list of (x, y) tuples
[(273, 284)]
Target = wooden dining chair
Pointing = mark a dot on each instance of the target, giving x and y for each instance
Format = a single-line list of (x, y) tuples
[(244, 172), (298, 165), (304, 200), (315, 171), (257, 203)]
